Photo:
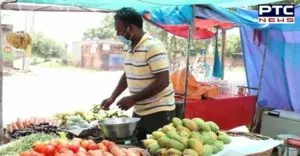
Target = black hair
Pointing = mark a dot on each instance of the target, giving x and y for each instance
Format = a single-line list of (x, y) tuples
[(129, 16)]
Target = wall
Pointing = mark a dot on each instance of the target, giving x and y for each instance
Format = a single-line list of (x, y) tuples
[(99, 57)]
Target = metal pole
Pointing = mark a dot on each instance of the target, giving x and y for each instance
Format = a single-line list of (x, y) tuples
[(223, 51), (1, 83), (190, 38), (256, 116)]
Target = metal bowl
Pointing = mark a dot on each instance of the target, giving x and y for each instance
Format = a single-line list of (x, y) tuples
[(118, 128)]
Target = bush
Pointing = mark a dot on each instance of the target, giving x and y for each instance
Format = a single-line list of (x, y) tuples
[(47, 48)]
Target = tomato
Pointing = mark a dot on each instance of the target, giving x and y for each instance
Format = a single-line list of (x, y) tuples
[(102, 147), (80, 153), (39, 148), (95, 153), (107, 143), (93, 146), (49, 150), (26, 153), (74, 147), (85, 144)]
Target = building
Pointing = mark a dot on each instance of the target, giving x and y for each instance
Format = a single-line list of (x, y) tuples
[(100, 55)]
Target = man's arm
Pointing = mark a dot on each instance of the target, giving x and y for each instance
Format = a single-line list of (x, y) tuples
[(122, 85), (160, 83)]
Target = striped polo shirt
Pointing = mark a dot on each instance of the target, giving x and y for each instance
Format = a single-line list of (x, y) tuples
[(140, 65)]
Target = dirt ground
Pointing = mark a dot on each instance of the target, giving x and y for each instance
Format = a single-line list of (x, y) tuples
[(45, 91)]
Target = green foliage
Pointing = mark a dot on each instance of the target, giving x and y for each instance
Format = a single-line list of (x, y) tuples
[(46, 47), (106, 31), (233, 45)]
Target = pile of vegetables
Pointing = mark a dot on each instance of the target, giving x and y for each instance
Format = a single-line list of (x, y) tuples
[(64, 117), (27, 123), (192, 137), (79, 119), (76, 122), (23, 144), (112, 113), (79, 147), (39, 128), (26, 127)]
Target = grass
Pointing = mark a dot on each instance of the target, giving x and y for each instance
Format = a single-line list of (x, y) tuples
[(57, 63)]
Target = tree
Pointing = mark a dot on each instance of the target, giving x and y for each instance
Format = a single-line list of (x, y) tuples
[(233, 45), (46, 47), (106, 31)]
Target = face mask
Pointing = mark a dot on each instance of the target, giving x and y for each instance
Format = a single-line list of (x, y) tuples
[(124, 40)]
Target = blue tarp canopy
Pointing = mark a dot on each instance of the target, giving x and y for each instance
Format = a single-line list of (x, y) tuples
[(142, 5), (280, 82), (279, 87)]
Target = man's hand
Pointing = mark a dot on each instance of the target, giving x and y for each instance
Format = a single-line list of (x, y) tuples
[(126, 103), (107, 102)]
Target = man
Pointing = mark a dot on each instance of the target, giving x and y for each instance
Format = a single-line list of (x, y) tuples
[(146, 75)]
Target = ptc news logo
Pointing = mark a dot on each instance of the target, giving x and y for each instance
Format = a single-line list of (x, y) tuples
[(276, 14)]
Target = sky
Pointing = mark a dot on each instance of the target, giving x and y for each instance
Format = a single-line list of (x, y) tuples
[(63, 27)]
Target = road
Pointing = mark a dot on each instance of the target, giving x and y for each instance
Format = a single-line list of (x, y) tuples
[(46, 91)]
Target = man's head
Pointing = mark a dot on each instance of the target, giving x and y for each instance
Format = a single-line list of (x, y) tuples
[(128, 22)]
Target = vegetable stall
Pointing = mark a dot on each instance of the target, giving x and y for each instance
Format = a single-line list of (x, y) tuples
[(79, 133)]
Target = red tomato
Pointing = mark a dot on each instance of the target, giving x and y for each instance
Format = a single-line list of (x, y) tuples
[(108, 143), (49, 150), (26, 153), (65, 150), (85, 144), (80, 153), (93, 146), (39, 148), (74, 147), (102, 147)]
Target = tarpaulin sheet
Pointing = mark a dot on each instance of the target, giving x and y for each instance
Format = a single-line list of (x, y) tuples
[(142, 5), (280, 85)]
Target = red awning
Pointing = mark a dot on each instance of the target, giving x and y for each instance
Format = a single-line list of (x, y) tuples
[(203, 28)]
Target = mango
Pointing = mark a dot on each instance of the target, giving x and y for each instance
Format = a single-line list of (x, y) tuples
[(213, 126), (184, 134), (198, 120), (188, 123), (207, 150), (213, 135), (224, 138), (184, 141), (147, 142), (171, 124), (163, 141), (175, 144), (202, 125), (218, 146), (196, 145), (173, 152), (181, 128), (167, 128), (162, 152), (153, 148), (207, 138), (177, 122), (174, 135), (190, 152), (157, 134), (196, 135)]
